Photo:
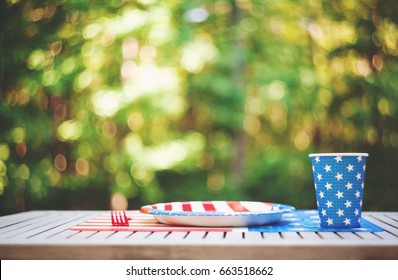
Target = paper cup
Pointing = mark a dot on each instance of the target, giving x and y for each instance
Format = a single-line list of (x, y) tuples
[(339, 185)]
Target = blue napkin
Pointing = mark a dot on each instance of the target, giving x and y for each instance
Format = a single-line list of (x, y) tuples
[(308, 221)]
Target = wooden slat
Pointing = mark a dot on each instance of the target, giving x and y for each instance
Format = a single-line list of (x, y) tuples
[(139, 235), (82, 235), (253, 236), (272, 236), (234, 236), (101, 235), (329, 235), (368, 235), (385, 235), (7, 221), (42, 234), (31, 228), (290, 235), (310, 236), (214, 235), (62, 235), (378, 220), (19, 224), (120, 235), (348, 235), (157, 236), (54, 228), (176, 235), (195, 235), (392, 222), (393, 216)]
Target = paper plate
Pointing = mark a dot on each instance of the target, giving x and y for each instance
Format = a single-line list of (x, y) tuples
[(217, 213)]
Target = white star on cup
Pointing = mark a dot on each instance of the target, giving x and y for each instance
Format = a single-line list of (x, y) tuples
[(327, 168), (340, 212), (339, 194), (339, 176)]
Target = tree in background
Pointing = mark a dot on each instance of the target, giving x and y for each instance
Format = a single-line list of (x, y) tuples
[(120, 103)]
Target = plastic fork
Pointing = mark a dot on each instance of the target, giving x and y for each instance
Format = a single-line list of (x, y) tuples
[(119, 218)]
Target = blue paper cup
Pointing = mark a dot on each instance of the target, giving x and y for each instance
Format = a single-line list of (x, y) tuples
[(339, 185)]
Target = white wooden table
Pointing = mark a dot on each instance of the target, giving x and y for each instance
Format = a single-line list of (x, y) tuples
[(46, 235)]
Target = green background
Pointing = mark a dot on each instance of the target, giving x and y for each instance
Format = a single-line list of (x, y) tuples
[(117, 104)]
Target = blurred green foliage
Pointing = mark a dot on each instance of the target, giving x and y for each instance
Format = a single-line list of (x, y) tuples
[(116, 104)]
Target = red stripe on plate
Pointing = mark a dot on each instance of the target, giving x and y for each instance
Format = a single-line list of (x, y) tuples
[(209, 207), (236, 206), (186, 206), (168, 206)]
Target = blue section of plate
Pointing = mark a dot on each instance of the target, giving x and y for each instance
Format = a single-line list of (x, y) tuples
[(308, 221)]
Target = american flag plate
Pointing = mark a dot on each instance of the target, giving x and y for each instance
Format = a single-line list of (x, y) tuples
[(217, 213)]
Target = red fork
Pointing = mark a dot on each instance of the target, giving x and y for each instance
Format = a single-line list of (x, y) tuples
[(119, 218)]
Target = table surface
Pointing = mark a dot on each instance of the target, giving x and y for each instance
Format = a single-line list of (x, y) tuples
[(46, 235)]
